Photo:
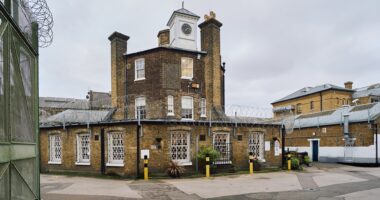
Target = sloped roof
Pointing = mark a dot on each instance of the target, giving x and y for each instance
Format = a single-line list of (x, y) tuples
[(372, 90), (78, 116), (311, 90), (64, 103), (182, 11), (361, 113)]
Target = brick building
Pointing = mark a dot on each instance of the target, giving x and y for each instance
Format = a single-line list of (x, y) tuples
[(324, 98), (168, 101)]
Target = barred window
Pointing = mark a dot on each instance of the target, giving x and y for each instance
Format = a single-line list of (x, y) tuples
[(203, 107), (180, 147), (223, 146), (83, 148), (256, 144), (139, 69), (187, 108), (115, 148), (170, 105), (55, 149), (140, 107), (186, 68)]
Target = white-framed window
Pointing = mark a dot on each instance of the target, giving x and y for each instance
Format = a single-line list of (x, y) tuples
[(221, 143), (140, 108), (170, 105), (187, 108), (83, 149), (203, 107), (55, 149), (256, 144), (115, 149), (186, 68), (140, 69), (180, 147)]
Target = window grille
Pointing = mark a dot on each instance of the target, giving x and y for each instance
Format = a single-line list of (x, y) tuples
[(83, 148), (187, 68), (140, 69), (180, 147), (115, 148), (223, 146), (187, 108), (140, 107), (203, 107), (55, 149), (256, 144), (170, 105)]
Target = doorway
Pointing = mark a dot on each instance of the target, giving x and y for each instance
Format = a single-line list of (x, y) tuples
[(315, 150)]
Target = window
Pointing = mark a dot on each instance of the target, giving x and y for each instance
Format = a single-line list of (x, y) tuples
[(203, 107), (343, 101), (311, 105), (223, 146), (186, 68), (180, 147), (55, 149), (83, 149), (256, 144), (140, 108), (115, 149), (187, 108), (140, 69), (170, 105), (299, 108)]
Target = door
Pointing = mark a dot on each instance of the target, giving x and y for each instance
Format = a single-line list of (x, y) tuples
[(315, 148), (222, 145)]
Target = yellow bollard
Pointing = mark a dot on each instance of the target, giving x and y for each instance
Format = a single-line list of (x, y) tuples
[(207, 166), (289, 162), (146, 171), (250, 163)]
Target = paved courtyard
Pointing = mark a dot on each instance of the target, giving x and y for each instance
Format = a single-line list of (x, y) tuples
[(323, 181)]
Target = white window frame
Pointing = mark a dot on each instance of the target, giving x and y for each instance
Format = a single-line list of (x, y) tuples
[(54, 146), (139, 65), (173, 144), (111, 161), (256, 141), (228, 145), (80, 159), (183, 67), (183, 103), (203, 107), (170, 105), (140, 101)]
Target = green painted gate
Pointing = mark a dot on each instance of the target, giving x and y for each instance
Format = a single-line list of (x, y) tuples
[(19, 160)]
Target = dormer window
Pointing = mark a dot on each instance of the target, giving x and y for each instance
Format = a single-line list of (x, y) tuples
[(186, 68), (139, 69)]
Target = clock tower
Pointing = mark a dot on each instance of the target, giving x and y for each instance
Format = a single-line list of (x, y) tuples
[(183, 29)]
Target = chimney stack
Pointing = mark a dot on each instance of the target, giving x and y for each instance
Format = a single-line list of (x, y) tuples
[(348, 85), (118, 76), (210, 42), (164, 38)]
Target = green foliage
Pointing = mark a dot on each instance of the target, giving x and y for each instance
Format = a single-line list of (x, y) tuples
[(295, 163), (175, 170), (213, 154), (307, 160), (256, 165)]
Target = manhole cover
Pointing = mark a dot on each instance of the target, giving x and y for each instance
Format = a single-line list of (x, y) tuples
[(311, 189)]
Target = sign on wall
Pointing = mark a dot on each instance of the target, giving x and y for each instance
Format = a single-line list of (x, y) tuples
[(267, 145)]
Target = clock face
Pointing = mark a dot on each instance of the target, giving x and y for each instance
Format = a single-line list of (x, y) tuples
[(186, 29)]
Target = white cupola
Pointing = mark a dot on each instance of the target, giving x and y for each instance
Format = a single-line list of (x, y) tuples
[(183, 29)]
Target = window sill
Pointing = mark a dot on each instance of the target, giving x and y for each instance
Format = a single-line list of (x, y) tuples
[(82, 164), (171, 114), (185, 163), (187, 119), (203, 116), (114, 165), (140, 79), (54, 163), (223, 162), (187, 78)]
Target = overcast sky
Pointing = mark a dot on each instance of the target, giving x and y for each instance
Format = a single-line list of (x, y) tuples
[(271, 48)]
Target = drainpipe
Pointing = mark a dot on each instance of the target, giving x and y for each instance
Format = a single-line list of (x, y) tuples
[(138, 128), (102, 153), (346, 125), (283, 133)]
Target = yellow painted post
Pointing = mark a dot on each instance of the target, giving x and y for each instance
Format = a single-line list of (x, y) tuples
[(250, 163), (207, 166), (146, 171), (289, 162)]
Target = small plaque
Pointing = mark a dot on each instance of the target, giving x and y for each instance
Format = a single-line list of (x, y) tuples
[(144, 152), (267, 145)]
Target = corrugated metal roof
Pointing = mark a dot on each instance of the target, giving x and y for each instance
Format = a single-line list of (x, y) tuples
[(311, 90), (360, 113), (78, 116), (372, 90)]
